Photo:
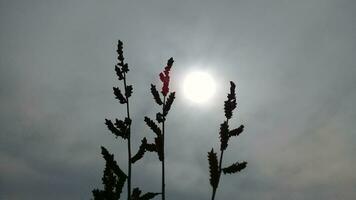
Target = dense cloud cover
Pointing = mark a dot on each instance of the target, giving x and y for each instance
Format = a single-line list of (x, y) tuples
[(293, 62)]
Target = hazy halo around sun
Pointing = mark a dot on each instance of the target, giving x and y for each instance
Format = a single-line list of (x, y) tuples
[(199, 87)]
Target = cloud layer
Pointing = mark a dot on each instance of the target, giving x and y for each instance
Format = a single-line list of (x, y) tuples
[(293, 62)]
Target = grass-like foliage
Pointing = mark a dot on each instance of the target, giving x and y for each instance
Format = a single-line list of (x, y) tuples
[(114, 178), (215, 166), (166, 103)]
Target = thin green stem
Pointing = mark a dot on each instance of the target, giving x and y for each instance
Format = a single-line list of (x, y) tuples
[(163, 170), (213, 195), (220, 165), (128, 144)]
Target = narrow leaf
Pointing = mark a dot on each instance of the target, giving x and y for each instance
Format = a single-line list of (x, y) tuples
[(236, 131), (169, 103), (114, 130), (109, 158), (213, 169), (113, 184), (140, 152), (153, 126), (230, 103), (149, 195), (119, 51), (128, 91), (234, 168), (229, 106), (232, 94), (119, 95), (155, 95), (119, 47), (224, 135)]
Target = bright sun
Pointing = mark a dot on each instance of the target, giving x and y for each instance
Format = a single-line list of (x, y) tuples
[(199, 87)]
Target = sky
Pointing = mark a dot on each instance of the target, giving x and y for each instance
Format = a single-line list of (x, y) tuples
[(293, 63)]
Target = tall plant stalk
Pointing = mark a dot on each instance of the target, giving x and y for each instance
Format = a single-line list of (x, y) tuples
[(161, 117), (114, 178), (215, 167), (163, 170), (128, 142), (166, 103), (121, 70)]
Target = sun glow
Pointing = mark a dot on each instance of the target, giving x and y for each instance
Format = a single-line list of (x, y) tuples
[(199, 86)]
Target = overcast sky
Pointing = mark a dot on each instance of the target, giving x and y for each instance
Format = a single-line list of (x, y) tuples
[(293, 62)]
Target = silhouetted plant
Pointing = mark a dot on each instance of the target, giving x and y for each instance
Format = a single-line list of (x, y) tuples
[(158, 145), (114, 178), (215, 167)]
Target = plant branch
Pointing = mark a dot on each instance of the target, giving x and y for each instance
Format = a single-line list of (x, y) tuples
[(128, 143), (163, 170), (225, 134), (220, 168)]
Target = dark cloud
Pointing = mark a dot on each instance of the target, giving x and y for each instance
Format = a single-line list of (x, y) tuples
[(293, 62)]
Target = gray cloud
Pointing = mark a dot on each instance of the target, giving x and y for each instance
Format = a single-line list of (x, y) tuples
[(293, 62)]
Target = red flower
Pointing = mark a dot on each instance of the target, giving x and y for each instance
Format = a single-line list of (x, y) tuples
[(164, 76)]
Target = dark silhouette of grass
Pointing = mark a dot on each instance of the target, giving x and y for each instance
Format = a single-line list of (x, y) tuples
[(215, 167), (166, 103), (114, 178)]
